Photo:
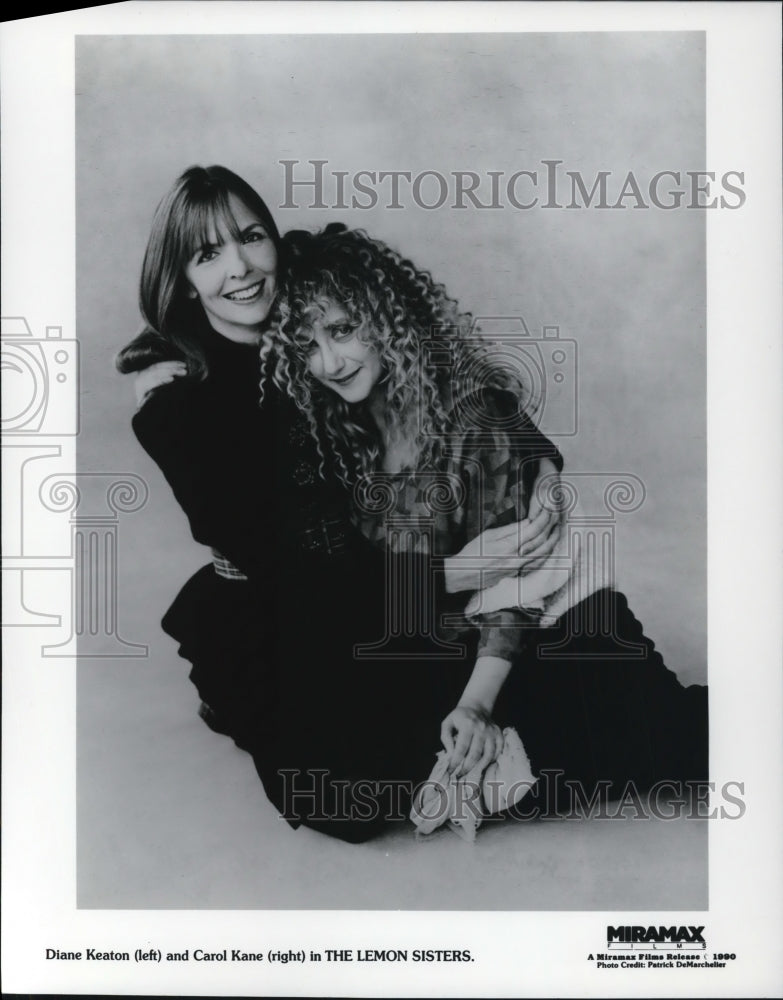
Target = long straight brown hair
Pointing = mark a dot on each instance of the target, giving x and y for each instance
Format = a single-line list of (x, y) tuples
[(176, 327)]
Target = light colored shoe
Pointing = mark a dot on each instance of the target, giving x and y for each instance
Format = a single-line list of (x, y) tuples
[(509, 778), (462, 803), (445, 798)]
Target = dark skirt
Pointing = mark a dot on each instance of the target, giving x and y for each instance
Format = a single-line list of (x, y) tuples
[(340, 742), (224, 633)]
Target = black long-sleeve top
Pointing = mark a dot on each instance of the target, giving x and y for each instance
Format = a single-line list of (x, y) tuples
[(246, 475)]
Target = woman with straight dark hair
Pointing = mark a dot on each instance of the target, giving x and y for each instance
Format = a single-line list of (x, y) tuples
[(271, 625)]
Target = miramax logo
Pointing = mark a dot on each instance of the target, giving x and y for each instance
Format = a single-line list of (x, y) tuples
[(692, 937)]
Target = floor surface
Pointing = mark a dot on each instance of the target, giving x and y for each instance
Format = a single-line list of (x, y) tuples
[(172, 815)]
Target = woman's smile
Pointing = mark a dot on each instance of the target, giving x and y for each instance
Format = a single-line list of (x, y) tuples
[(234, 274), (340, 356), (345, 378), (247, 295)]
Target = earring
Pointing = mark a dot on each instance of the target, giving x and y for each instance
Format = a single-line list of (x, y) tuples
[(192, 293)]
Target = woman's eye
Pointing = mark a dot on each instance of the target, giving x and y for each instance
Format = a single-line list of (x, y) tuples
[(256, 236), (343, 332), (206, 255)]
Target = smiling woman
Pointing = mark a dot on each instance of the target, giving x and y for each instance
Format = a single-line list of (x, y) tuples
[(234, 273), (340, 356), (270, 626), (433, 441)]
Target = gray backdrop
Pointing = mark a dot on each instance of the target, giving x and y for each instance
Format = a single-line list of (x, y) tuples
[(627, 285)]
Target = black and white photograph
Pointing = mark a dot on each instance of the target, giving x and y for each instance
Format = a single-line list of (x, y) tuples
[(388, 516)]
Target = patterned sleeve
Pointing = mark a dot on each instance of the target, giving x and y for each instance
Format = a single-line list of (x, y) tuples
[(499, 463)]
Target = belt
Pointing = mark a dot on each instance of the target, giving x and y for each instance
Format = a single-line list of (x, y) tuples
[(225, 568), (329, 537)]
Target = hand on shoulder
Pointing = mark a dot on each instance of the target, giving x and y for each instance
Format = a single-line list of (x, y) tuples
[(155, 376)]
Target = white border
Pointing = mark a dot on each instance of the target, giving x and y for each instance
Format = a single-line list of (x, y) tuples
[(516, 954)]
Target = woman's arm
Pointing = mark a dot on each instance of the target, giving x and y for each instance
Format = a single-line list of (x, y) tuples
[(498, 471), (516, 548), (216, 464), (468, 732)]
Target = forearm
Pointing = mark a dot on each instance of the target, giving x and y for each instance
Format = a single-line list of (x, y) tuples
[(483, 687), (453, 580), (473, 571)]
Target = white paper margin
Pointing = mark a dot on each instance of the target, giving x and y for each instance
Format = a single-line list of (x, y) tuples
[(516, 953)]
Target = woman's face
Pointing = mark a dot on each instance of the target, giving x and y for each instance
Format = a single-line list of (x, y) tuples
[(235, 277), (339, 356)]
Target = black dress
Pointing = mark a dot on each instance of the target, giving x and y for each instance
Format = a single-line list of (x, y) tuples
[(341, 741)]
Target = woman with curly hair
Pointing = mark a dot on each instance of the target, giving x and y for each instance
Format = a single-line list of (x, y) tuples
[(270, 624), (431, 436)]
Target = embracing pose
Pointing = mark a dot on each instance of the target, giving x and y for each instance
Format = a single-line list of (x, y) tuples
[(271, 624), (430, 437)]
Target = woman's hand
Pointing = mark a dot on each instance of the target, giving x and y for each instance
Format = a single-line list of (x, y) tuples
[(157, 375), (516, 548), (470, 737)]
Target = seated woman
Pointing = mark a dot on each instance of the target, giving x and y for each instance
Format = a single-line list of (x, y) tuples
[(429, 436), (269, 626)]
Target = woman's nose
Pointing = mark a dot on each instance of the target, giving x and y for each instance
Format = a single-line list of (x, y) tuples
[(236, 261), (331, 361)]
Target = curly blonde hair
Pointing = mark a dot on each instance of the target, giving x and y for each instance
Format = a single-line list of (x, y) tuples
[(428, 356)]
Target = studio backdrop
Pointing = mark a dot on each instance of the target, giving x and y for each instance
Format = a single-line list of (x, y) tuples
[(548, 180)]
